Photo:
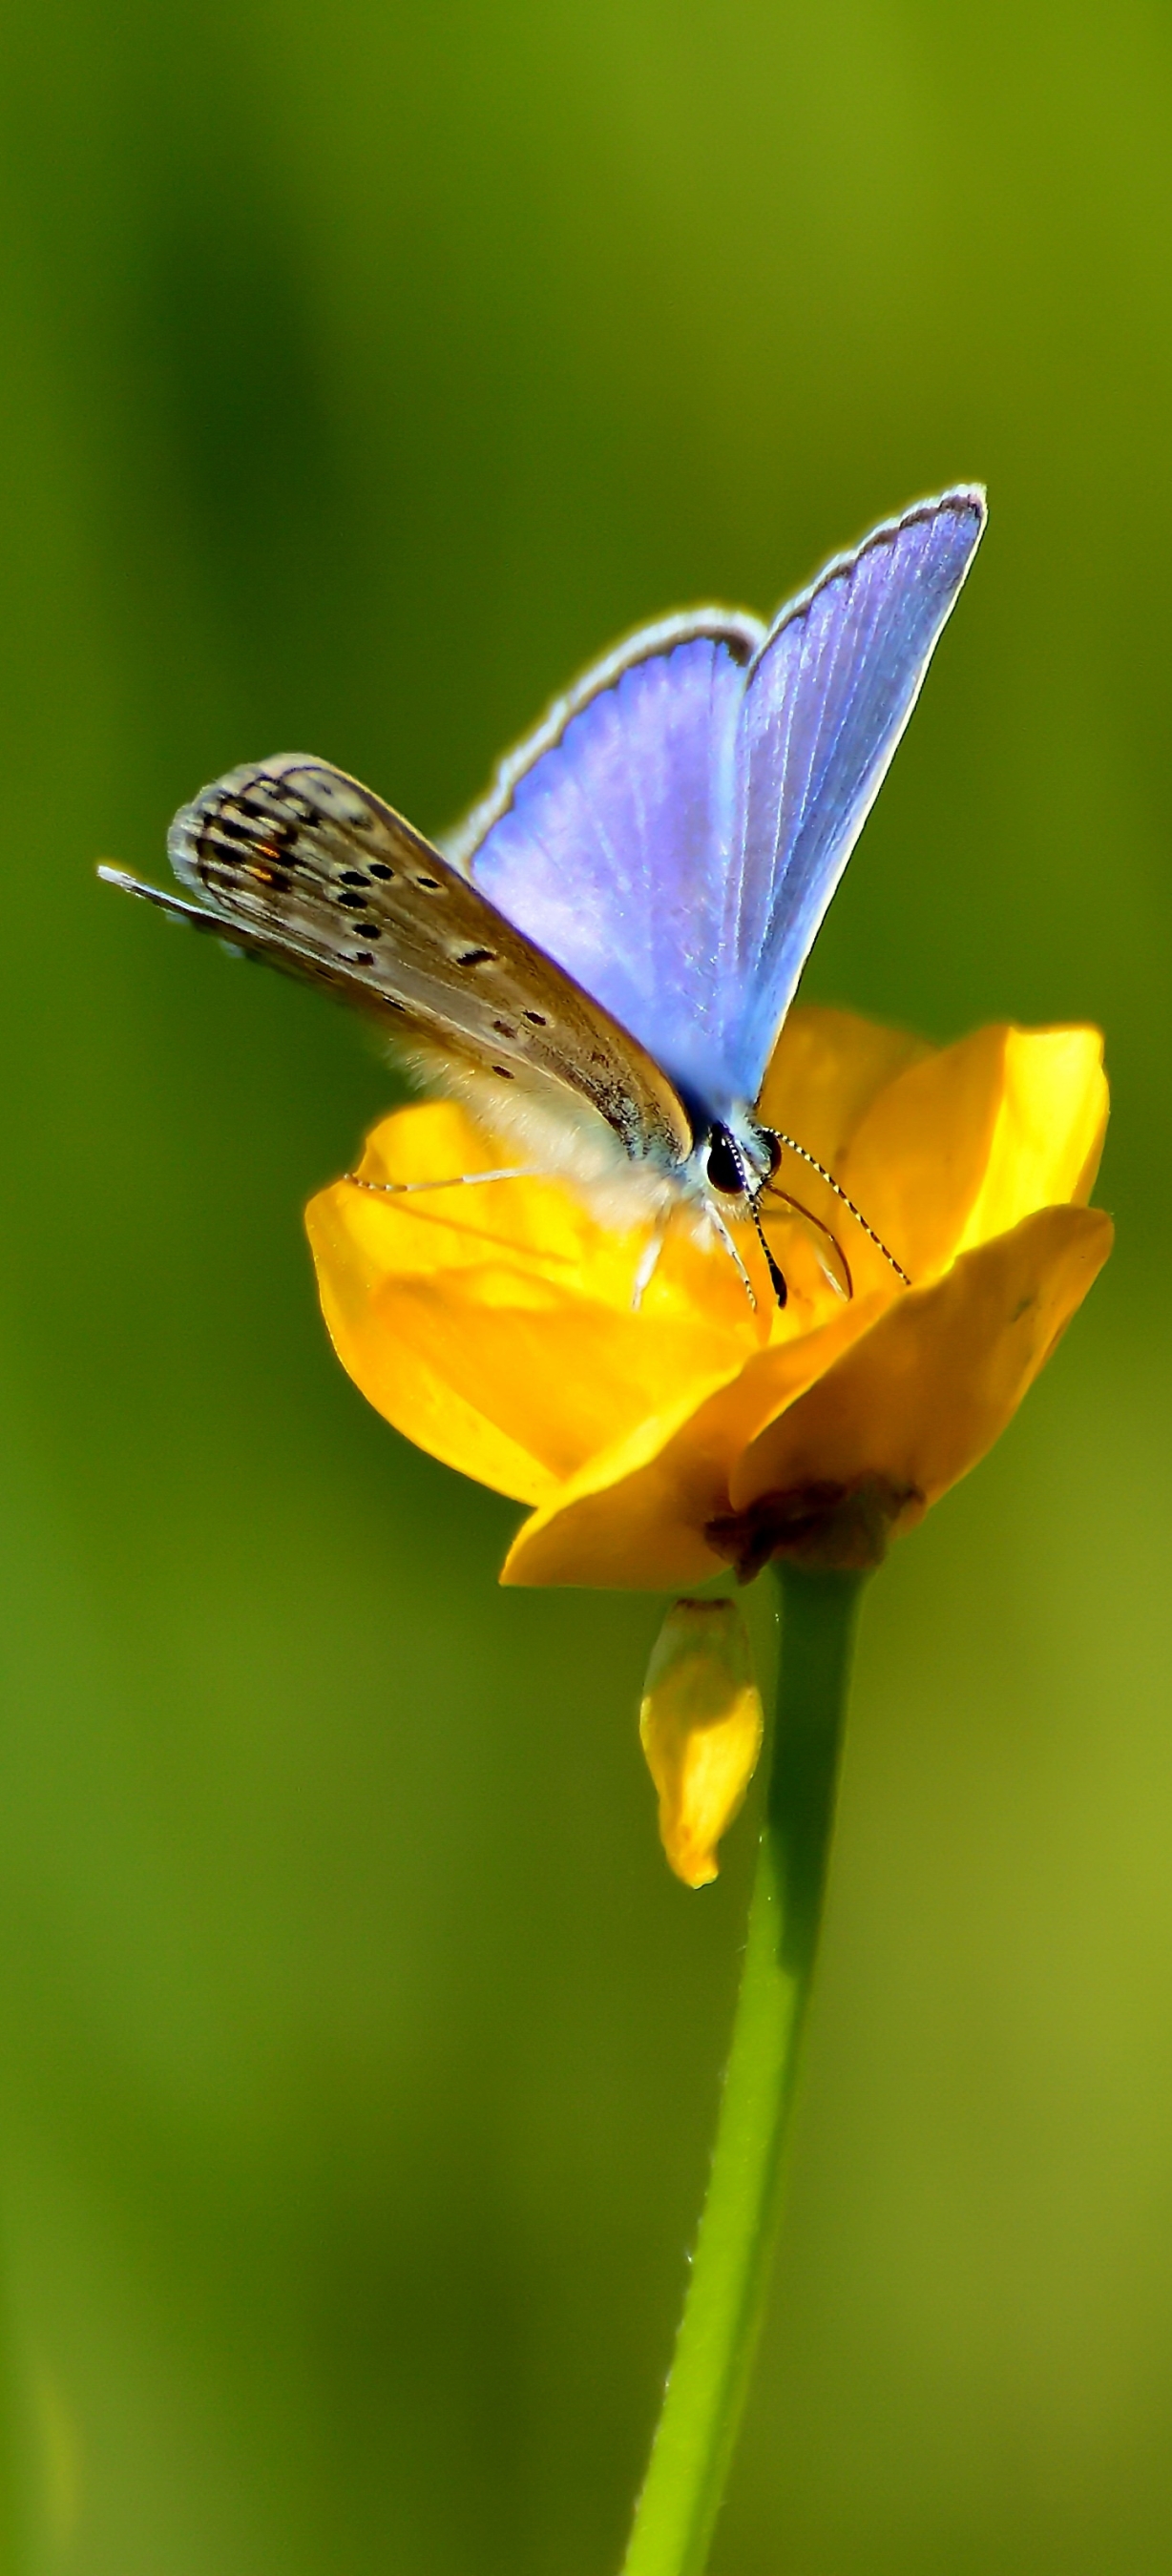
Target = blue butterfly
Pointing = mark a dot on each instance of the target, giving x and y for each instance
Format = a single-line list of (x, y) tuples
[(604, 953)]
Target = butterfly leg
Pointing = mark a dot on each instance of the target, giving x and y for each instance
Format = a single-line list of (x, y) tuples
[(718, 1221), (649, 1261), (458, 1181)]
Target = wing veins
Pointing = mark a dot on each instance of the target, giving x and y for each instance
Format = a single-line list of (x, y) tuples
[(280, 887)]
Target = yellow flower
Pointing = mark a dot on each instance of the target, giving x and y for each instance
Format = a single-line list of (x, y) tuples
[(494, 1325)]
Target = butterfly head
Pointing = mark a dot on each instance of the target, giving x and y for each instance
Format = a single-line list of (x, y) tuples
[(736, 1160), (733, 1162)]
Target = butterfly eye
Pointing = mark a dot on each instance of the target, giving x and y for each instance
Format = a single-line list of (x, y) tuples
[(726, 1171)]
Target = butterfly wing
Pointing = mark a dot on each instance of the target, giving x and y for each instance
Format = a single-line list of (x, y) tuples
[(825, 704), (623, 921), (302, 867), (674, 831), (607, 835)]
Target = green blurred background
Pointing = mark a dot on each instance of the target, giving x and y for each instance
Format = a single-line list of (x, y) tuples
[(365, 368)]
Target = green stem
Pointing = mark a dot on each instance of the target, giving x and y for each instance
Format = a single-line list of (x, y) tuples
[(718, 2332)]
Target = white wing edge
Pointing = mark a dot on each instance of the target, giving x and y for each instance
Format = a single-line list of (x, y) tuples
[(737, 627)]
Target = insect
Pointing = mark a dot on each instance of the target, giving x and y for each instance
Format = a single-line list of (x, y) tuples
[(602, 955)]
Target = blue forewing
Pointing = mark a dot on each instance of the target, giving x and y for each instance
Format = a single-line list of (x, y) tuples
[(673, 833)]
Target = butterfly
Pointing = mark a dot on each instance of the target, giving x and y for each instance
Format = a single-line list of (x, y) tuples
[(602, 954)]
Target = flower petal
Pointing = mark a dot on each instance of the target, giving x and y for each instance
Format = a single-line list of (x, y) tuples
[(1048, 1138), (493, 1325), (916, 1402), (639, 1513), (825, 1071), (965, 1143), (406, 1374), (918, 1159)]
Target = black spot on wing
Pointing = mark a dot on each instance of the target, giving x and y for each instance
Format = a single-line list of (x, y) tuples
[(233, 826)]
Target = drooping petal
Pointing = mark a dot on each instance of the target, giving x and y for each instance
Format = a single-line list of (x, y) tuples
[(700, 1725)]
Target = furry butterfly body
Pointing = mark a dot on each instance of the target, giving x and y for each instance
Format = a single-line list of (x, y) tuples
[(604, 954)]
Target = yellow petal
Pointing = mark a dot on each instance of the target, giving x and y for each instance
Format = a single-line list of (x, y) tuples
[(1048, 1138), (700, 1724), (493, 1325), (825, 1071), (639, 1513), (918, 1160), (913, 1404), (967, 1142)]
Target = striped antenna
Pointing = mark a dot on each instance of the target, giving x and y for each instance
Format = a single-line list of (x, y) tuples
[(790, 1145)]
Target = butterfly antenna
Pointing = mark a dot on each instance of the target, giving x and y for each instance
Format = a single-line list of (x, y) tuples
[(791, 1146)]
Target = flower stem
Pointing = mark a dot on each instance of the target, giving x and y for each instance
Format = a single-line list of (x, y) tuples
[(706, 2391)]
